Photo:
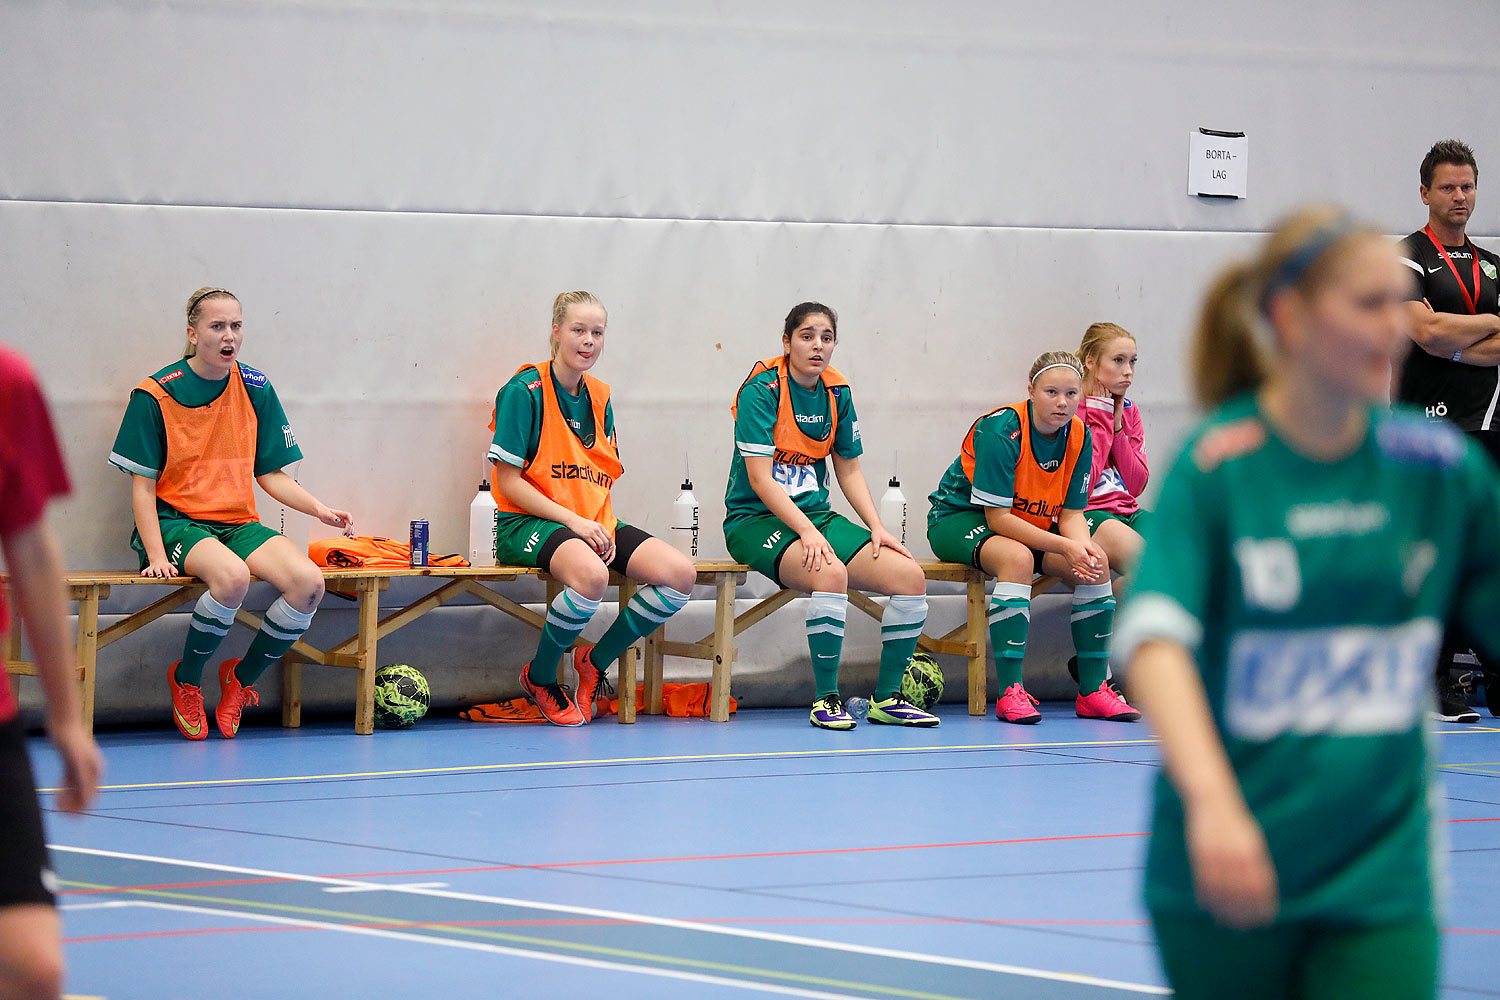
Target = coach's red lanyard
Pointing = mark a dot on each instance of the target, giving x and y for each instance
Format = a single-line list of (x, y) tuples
[(1472, 301)]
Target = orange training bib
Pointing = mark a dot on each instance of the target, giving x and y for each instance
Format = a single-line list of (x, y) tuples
[(566, 472), (209, 469)]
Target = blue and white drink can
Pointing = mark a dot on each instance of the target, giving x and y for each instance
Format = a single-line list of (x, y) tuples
[(418, 543)]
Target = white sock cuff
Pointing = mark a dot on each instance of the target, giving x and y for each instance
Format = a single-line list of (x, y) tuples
[(826, 605), (675, 598), (1092, 592), (905, 609), (580, 603), (1011, 591), (210, 608), (288, 618)]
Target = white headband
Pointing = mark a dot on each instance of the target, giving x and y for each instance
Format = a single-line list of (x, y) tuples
[(1055, 364)]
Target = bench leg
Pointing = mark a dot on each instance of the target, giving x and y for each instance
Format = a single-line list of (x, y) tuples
[(627, 662), (291, 693), (718, 695), (369, 620), (653, 671), (977, 633), (88, 651)]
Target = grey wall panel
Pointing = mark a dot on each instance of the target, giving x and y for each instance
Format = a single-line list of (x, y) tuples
[(961, 112), (387, 336)]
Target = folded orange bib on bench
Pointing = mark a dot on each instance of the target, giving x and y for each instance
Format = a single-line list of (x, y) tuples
[(368, 552)]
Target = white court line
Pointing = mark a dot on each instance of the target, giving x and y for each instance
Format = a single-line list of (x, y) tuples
[(584, 911), (382, 887), (496, 949)]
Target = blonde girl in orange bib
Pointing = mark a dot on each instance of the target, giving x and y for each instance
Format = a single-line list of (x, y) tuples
[(556, 462), (195, 438)]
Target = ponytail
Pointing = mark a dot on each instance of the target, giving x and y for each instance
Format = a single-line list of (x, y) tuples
[(1229, 354), (1235, 343)]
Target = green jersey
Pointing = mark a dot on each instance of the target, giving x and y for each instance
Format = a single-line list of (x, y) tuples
[(518, 417), (754, 435), (997, 449), (141, 445), (1312, 595)]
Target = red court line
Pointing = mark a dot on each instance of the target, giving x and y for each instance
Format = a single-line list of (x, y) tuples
[(656, 861), (743, 857)]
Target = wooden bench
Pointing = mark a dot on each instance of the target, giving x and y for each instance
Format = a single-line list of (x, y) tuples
[(358, 651)]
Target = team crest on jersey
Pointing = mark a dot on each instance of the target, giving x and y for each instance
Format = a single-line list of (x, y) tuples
[(253, 377), (1488, 269), (1419, 442), (1238, 437)]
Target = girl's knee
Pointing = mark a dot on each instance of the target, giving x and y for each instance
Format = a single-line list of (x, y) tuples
[(683, 575), (229, 584), (307, 588), (591, 580), (911, 580), (831, 578)]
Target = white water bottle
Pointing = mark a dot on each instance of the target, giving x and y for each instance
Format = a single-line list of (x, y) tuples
[(685, 521), (893, 510), (482, 516)]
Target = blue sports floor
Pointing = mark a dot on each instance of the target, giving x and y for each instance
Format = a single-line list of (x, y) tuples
[(673, 858)]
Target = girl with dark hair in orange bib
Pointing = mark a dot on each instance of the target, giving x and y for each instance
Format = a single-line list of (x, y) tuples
[(556, 462), (196, 436), (791, 415)]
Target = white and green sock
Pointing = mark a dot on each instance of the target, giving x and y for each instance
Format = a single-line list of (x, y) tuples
[(566, 617), (642, 615), (900, 628), (1093, 623), (282, 626), (206, 629), (825, 638), (1010, 621)]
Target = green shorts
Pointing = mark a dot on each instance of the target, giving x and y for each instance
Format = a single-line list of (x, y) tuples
[(958, 537), (180, 534), (524, 540), (1202, 960), (1095, 518), (760, 542)]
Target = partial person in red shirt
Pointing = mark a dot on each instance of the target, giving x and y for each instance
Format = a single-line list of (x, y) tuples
[(31, 474), (1114, 513)]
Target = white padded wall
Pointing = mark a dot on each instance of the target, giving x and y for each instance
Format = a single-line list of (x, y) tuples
[(396, 189)]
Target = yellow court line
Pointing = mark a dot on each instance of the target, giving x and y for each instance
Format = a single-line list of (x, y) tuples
[(676, 758)]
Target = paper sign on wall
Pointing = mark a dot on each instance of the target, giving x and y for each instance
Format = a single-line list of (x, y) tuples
[(1218, 163)]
